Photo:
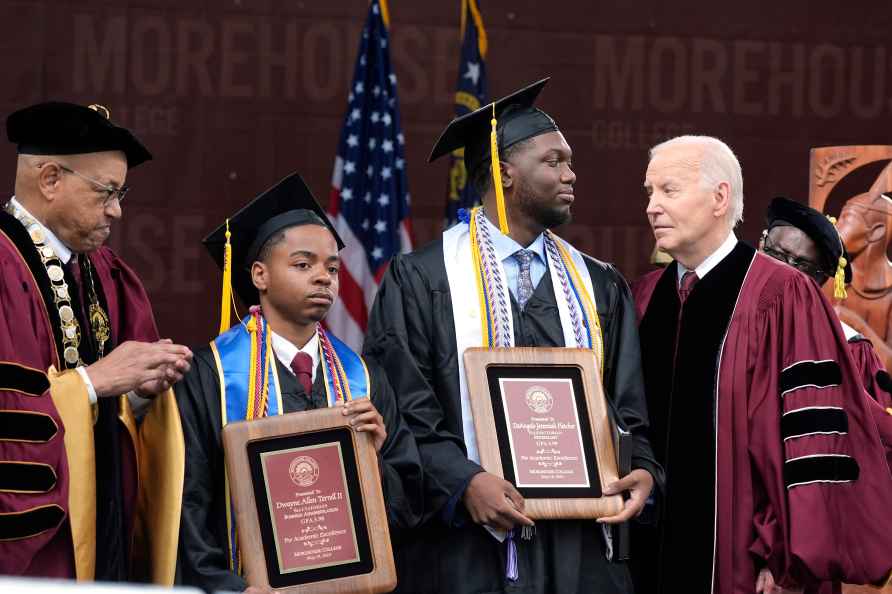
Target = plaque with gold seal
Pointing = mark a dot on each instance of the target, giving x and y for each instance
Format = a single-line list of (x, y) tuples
[(309, 506), (542, 423)]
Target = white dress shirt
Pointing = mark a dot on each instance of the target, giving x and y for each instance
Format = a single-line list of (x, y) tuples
[(286, 350), (712, 260)]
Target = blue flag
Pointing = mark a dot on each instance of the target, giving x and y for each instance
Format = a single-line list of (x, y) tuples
[(470, 94)]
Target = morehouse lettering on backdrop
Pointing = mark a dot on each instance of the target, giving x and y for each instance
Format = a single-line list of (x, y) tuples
[(229, 99)]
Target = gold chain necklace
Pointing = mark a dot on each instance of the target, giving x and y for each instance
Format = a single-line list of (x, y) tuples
[(71, 332)]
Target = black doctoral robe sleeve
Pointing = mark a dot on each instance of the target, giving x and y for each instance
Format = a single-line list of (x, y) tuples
[(623, 379), (401, 474), (400, 339), (203, 549)]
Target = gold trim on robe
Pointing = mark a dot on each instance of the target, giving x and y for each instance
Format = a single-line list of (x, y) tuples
[(69, 394), (161, 453)]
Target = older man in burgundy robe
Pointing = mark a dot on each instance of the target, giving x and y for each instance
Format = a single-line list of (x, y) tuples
[(776, 476), (78, 347)]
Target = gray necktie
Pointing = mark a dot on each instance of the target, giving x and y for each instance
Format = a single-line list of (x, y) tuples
[(524, 280)]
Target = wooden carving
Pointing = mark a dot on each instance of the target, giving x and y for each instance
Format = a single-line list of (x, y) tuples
[(865, 225), (831, 166)]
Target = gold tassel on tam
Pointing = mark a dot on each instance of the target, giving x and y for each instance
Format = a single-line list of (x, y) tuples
[(226, 298), (839, 281), (497, 174)]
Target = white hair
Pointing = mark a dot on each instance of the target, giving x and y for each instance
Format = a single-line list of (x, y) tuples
[(719, 164)]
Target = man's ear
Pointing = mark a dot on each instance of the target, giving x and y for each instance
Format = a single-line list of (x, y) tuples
[(876, 233), (721, 200), (49, 179), (260, 275), (507, 170)]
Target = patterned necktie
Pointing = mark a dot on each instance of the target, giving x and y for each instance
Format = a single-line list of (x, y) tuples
[(688, 280), (302, 366), (524, 280)]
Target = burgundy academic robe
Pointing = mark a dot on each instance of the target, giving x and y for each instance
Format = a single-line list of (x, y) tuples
[(872, 374), (778, 461), (45, 528), (871, 369)]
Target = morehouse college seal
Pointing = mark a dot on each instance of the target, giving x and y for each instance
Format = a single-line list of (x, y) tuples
[(304, 471), (539, 400)]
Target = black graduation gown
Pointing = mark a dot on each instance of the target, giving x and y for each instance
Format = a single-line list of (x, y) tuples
[(411, 334), (203, 550)]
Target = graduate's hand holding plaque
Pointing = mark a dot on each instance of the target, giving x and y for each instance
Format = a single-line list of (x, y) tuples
[(493, 501), (364, 417), (639, 483)]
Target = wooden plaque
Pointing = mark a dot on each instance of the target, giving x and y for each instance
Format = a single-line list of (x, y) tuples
[(308, 503), (542, 424)]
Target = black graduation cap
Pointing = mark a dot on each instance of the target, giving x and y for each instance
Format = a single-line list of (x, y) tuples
[(57, 128), (289, 203), (517, 120), (819, 227)]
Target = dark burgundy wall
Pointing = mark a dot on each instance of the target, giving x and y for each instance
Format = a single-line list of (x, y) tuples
[(232, 95)]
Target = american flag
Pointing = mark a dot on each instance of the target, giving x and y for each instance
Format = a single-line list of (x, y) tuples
[(470, 94), (369, 202)]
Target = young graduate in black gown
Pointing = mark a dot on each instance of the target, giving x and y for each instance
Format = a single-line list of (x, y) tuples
[(284, 257), (544, 293)]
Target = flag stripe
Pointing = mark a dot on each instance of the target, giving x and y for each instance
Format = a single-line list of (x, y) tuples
[(351, 297), (342, 325)]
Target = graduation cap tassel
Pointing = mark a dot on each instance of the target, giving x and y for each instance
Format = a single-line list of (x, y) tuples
[(226, 298), (497, 174), (839, 281)]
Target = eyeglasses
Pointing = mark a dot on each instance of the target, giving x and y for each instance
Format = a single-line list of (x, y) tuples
[(806, 266), (111, 192)]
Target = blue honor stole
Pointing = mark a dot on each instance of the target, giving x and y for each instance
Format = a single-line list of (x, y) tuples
[(249, 384)]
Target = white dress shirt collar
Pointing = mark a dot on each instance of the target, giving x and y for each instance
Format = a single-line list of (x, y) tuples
[(61, 250), (713, 259), (286, 350), (506, 246)]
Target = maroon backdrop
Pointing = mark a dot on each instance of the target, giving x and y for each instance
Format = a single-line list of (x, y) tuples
[(232, 95)]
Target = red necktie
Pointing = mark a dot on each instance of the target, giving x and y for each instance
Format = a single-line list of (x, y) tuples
[(688, 281), (302, 366)]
